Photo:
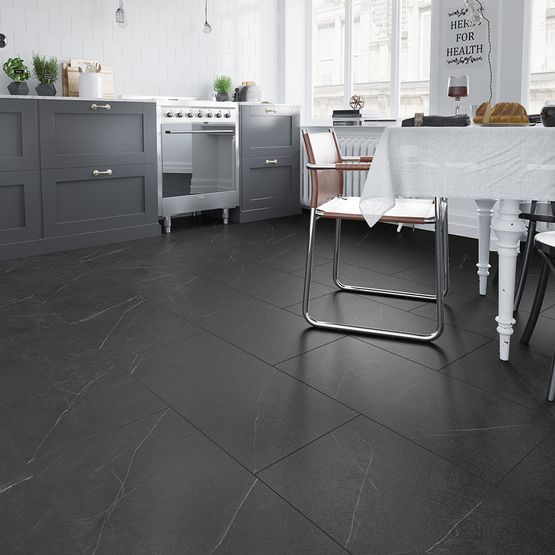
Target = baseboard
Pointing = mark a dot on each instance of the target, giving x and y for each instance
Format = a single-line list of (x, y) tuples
[(82, 240)]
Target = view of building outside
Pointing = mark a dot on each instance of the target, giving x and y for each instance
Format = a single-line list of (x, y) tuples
[(542, 62), (372, 36)]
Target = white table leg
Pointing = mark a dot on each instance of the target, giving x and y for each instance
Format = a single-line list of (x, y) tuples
[(485, 214), (508, 229)]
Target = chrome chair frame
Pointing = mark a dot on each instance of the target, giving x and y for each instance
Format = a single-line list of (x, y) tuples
[(442, 265)]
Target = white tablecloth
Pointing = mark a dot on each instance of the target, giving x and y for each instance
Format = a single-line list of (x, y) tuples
[(473, 162)]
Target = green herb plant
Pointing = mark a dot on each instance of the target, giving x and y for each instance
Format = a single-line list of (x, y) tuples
[(16, 69), (223, 84), (45, 69)]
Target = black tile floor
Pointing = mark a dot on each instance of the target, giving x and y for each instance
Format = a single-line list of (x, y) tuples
[(165, 397)]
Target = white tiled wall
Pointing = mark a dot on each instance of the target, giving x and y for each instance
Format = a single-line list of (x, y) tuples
[(161, 52)]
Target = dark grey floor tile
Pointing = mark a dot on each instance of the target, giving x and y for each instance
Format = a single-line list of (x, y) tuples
[(54, 417), (361, 311), (266, 284), (30, 525), (265, 331), (252, 410), (524, 379), (464, 424), (12, 466), (28, 329), (375, 492), (472, 313), (533, 479), (353, 275), (159, 486), (549, 313), (288, 260), (122, 323)]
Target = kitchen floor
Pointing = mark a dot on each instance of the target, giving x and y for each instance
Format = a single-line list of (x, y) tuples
[(166, 397)]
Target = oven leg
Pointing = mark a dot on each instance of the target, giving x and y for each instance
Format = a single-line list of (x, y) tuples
[(168, 224), (225, 215)]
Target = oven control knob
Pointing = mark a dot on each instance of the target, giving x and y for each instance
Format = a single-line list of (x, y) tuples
[(228, 114), (219, 114), (189, 114), (199, 115), (169, 114), (179, 114), (209, 115)]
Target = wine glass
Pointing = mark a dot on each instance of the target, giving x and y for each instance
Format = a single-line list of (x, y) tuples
[(457, 89)]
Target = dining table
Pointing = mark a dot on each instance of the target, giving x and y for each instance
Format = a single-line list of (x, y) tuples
[(497, 166)]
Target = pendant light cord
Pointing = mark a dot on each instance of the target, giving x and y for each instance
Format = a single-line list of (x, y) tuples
[(489, 50), (205, 10)]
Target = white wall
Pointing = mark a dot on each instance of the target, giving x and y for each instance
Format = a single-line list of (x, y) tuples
[(161, 52)]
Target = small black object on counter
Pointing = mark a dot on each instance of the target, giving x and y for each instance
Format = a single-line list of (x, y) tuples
[(440, 121), (548, 115)]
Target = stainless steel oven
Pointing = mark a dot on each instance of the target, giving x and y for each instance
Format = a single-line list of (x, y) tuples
[(199, 153)]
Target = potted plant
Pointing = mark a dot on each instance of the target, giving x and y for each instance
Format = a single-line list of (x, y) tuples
[(16, 70), (46, 71), (222, 86)]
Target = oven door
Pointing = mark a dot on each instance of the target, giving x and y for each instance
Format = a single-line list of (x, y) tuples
[(198, 159)]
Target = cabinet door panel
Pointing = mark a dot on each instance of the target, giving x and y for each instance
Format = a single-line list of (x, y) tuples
[(19, 141), (268, 130), (75, 201), (20, 214), (73, 134), (265, 185)]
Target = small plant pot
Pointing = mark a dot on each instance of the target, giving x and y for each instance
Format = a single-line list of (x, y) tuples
[(222, 97), (46, 89), (18, 88)]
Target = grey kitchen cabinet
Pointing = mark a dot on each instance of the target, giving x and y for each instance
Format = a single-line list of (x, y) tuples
[(269, 186), (85, 133), (76, 201), (19, 137), (56, 191), (270, 162), (20, 206)]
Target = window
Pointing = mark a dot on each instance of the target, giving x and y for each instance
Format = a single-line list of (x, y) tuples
[(542, 61), (328, 56), (379, 49)]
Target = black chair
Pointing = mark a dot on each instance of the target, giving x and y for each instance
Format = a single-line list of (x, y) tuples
[(534, 212), (545, 244)]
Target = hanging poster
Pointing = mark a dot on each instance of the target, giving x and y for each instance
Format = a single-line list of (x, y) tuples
[(466, 41)]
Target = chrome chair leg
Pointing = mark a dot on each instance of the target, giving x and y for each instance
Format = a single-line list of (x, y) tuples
[(525, 264), (340, 327), (445, 229)]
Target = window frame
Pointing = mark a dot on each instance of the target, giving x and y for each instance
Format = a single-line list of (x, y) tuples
[(348, 77)]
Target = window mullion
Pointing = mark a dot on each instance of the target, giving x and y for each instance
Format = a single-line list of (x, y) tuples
[(348, 65), (395, 58)]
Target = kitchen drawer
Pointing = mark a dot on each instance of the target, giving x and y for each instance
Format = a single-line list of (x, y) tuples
[(268, 130), (74, 134), (19, 140), (266, 185), (20, 206), (74, 201)]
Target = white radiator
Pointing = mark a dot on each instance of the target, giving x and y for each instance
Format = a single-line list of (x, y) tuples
[(354, 181)]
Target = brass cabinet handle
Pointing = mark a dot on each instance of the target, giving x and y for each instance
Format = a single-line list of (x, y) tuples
[(96, 173), (100, 107), (271, 110), (270, 163)]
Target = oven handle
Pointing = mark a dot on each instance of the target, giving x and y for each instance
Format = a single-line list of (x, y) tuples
[(203, 132)]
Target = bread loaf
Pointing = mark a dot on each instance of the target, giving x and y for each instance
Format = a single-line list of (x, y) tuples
[(508, 112), (482, 113)]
